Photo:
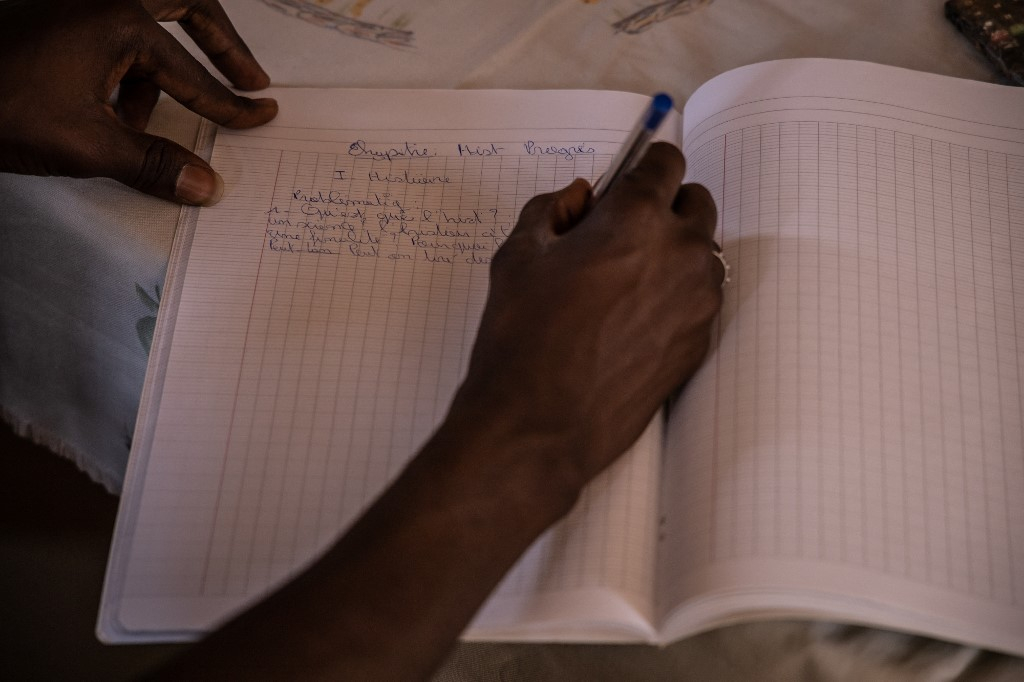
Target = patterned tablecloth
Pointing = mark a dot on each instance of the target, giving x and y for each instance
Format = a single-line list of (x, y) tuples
[(82, 261)]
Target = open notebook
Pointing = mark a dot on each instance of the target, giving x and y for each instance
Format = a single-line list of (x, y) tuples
[(852, 449)]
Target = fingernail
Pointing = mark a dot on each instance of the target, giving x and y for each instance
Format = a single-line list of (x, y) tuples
[(198, 186)]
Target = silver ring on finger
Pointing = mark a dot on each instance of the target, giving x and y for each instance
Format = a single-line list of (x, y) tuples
[(717, 253)]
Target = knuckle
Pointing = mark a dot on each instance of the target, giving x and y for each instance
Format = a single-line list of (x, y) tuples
[(643, 212), (641, 195), (641, 189)]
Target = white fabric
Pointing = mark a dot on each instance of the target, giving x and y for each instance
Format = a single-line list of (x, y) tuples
[(785, 651), (73, 322), (81, 263)]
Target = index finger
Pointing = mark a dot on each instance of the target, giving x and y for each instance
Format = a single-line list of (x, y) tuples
[(169, 65), (696, 206), (659, 171), (208, 25)]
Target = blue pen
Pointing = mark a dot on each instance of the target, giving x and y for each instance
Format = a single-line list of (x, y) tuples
[(636, 143)]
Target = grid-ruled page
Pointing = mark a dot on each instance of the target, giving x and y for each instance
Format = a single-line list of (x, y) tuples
[(326, 317), (863, 455)]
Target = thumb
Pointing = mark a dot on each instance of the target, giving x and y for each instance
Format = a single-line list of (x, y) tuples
[(160, 167)]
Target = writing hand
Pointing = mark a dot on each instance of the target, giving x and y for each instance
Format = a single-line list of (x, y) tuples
[(596, 315), (60, 62)]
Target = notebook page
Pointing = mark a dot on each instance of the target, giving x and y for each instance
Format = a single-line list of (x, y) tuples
[(853, 448), (326, 317)]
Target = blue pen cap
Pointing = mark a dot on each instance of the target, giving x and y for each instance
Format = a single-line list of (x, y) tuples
[(661, 104)]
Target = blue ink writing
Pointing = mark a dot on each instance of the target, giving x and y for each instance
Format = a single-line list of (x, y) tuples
[(407, 178), (480, 150), (404, 151), (567, 152)]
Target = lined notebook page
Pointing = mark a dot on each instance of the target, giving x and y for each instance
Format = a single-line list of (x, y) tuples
[(853, 448), (327, 313)]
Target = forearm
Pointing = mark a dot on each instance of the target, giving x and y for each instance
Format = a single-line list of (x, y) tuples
[(391, 597)]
